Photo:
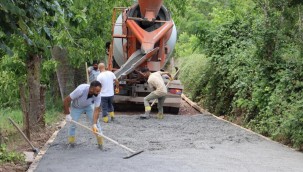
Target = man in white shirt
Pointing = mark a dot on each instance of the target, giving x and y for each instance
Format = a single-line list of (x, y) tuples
[(156, 83), (84, 99), (93, 72), (107, 79)]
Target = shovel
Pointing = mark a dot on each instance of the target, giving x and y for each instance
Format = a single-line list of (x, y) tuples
[(35, 150), (133, 153)]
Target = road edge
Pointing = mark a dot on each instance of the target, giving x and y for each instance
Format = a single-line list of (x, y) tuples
[(45, 147), (205, 112)]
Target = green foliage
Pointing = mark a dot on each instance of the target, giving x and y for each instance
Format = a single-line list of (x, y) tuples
[(187, 45), (54, 109), (5, 126), (193, 72), (29, 21), (12, 71), (52, 116), (254, 63), (10, 156), (48, 70), (8, 91), (86, 29)]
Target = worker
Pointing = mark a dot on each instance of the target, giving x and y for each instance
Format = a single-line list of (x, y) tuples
[(107, 79), (156, 83), (107, 48), (93, 71), (164, 76), (82, 100)]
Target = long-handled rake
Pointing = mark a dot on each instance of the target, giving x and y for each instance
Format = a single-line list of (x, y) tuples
[(133, 153), (35, 150)]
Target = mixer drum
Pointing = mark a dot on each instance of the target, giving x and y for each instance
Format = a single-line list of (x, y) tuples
[(119, 55)]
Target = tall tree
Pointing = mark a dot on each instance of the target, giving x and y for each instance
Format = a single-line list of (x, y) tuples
[(25, 35)]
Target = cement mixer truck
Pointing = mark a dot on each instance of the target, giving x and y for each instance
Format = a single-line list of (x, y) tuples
[(143, 35)]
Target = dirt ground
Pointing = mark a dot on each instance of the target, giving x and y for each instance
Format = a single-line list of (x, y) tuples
[(186, 109)]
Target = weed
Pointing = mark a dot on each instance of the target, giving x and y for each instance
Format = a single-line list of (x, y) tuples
[(10, 156)]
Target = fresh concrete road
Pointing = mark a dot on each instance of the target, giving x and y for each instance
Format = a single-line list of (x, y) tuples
[(195, 143)]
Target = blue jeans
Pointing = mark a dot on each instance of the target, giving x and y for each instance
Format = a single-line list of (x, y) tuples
[(107, 105), (76, 113)]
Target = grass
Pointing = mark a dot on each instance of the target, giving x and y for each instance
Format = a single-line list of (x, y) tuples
[(6, 128), (52, 116), (10, 156), (10, 135)]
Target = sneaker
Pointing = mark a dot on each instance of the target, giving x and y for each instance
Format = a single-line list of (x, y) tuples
[(145, 116), (71, 145), (100, 147), (105, 119)]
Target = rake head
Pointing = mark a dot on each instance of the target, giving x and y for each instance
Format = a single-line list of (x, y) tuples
[(134, 154)]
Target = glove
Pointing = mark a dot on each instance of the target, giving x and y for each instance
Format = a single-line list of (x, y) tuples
[(68, 118), (117, 90), (95, 128)]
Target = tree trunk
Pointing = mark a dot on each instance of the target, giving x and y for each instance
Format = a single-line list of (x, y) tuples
[(80, 75), (1, 137), (64, 71), (33, 82), (42, 110), (24, 107), (54, 88)]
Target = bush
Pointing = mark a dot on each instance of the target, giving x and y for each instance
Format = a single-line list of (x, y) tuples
[(252, 67), (7, 156), (192, 73)]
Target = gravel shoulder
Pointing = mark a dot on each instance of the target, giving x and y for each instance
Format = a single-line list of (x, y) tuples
[(176, 143)]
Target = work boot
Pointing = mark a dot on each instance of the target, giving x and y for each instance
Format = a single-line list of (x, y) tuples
[(100, 142), (71, 141), (146, 115), (112, 116), (105, 119), (160, 116)]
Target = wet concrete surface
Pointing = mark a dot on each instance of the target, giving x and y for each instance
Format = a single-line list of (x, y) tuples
[(193, 143)]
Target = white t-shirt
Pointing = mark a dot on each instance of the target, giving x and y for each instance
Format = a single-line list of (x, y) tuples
[(107, 78), (79, 97), (155, 81)]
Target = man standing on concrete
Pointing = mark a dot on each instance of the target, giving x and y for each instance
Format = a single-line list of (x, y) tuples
[(107, 79), (155, 82), (80, 101), (93, 72)]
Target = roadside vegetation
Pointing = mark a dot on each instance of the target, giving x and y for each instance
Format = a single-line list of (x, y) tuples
[(238, 59), (244, 60)]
